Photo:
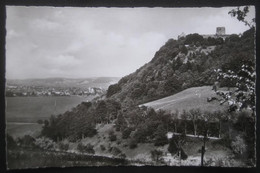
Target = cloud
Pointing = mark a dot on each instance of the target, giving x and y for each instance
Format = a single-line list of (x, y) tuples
[(85, 42)]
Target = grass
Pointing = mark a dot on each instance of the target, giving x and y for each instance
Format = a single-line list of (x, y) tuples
[(188, 99)]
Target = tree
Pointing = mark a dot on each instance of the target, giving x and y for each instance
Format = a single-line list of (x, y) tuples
[(121, 123), (194, 115), (112, 136), (160, 136), (11, 144), (245, 88), (101, 111), (113, 89), (156, 155), (240, 13), (86, 148), (175, 146)]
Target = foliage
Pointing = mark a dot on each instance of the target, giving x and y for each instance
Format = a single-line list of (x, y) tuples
[(63, 146), (175, 146), (126, 132), (11, 144), (26, 141), (45, 143), (160, 136), (240, 13), (112, 137), (102, 147), (86, 148), (116, 151), (112, 89), (120, 123), (193, 39), (133, 144), (156, 155), (238, 145)]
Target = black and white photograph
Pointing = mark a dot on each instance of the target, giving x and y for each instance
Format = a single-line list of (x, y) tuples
[(98, 86)]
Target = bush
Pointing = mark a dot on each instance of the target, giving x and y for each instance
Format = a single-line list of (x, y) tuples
[(173, 148), (63, 146), (45, 143), (122, 156), (86, 148), (133, 144), (156, 155), (126, 133), (102, 147), (184, 156), (10, 142), (116, 151), (26, 141), (112, 136), (238, 145)]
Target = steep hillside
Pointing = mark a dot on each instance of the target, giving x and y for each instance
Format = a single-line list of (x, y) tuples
[(188, 99), (181, 64)]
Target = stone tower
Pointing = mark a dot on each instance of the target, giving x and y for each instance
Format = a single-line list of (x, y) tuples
[(221, 31)]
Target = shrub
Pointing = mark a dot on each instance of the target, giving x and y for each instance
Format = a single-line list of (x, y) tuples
[(112, 136), (238, 145), (184, 156), (63, 146), (10, 142), (102, 147), (116, 151), (133, 144), (44, 143), (86, 148), (122, 156), (156, 155), (26, 141), (173, 148), (126, 133)]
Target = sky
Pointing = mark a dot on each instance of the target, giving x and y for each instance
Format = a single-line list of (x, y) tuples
[(77, 42)]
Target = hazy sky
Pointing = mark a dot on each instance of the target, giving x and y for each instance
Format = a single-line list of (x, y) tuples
[(90, 42)]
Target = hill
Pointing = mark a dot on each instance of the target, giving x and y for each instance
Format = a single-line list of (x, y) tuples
[(184, 63), (102, 82), (191, 98)]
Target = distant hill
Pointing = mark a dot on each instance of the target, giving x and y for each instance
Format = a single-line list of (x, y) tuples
[(102, 82), (191, 98)]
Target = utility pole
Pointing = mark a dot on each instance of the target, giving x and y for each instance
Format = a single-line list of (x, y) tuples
[(203, 148)]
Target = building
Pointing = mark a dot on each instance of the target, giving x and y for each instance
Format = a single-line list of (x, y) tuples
[(220, 33)]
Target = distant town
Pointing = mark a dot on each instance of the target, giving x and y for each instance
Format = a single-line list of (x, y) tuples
[(24, 91)]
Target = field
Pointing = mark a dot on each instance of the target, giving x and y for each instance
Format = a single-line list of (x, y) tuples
[(22, 113), (188, 99)]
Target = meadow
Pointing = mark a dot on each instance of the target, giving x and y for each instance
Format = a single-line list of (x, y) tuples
[(191, 98)]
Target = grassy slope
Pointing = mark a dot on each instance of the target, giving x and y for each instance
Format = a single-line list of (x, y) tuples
[(188, 99)]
